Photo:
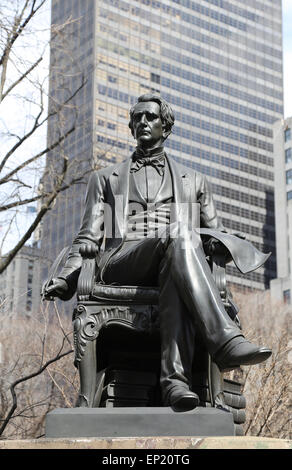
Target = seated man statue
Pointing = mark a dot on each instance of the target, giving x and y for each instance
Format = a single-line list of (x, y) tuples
[(155, 245)]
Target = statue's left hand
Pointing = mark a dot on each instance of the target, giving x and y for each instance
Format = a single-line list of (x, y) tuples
[(57, 288)]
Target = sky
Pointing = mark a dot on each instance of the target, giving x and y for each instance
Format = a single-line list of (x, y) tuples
[(287, 56)]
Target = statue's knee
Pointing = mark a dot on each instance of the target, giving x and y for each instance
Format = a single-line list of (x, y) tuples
[(179, 235), (167, 234), (190, 240), (182, 236)]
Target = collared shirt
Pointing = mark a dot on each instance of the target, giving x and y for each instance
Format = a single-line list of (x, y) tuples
[(147, 177), (150, 196)]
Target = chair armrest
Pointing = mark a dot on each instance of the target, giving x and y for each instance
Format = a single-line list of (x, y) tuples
[(87, 273), (218, 267)]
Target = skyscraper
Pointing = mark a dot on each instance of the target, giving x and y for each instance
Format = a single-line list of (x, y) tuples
[(218, 63), (281, 287)]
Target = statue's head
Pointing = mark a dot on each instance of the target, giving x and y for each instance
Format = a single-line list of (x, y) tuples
[(151, 120)]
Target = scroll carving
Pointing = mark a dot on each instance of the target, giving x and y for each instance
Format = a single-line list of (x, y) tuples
[(89, 320)]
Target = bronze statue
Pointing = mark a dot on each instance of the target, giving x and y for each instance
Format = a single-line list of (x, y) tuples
[(135, 217)]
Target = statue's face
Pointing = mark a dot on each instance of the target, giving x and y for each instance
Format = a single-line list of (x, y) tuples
[(147, 125)]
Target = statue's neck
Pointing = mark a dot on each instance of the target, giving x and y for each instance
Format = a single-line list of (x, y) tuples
[(149, 152)]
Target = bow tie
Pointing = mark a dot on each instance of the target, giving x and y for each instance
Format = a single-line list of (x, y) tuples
[(157, 161)]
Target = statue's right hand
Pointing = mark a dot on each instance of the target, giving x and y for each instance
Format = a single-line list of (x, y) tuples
[(57, 288)]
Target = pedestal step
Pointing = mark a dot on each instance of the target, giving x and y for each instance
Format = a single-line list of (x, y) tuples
[(127, 422)]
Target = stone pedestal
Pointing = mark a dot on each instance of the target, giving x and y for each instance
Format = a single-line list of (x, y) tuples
[(130, 422)]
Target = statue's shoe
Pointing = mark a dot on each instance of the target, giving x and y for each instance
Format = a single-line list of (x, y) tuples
[(240, 352), (181, 399)]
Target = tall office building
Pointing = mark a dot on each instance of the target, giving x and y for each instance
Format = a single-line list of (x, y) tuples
[(281, 287), (20, 283), (218, 63)]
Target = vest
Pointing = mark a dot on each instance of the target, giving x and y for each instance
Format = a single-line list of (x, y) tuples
[(145, 217)]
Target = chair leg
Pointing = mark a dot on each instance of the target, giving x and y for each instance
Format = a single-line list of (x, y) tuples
[(215, 379), (87, 374)]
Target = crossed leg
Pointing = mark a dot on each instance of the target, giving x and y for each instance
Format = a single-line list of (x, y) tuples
[(188, 300)]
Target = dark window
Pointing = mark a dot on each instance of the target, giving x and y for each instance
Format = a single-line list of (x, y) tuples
[(289, 177), (287, 134), (288, 155), (112, 79), (155, 78), (287, 296)]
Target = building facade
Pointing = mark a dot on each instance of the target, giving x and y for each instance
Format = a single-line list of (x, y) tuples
[(218, 63), (281, 287), (20, 283)]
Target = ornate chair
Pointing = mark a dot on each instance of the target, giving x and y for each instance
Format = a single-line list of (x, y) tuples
[(116, 334)]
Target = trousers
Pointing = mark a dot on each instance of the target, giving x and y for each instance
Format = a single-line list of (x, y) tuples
[(174, 259)]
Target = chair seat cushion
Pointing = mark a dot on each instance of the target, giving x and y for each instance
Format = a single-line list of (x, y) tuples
[(125, 294)]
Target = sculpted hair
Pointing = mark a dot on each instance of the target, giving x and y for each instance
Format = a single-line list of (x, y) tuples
[(166, 112)]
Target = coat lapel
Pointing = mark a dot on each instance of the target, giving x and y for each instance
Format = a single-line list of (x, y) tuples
[(119, 182), (181, 189)]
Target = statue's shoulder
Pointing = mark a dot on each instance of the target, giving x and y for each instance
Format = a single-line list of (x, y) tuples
[(107, 171), (185, 169)]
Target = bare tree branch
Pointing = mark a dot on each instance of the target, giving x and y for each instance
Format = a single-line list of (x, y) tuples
[(20, 79), (267, 387), (56, 105), (7, 231), (45, 207), (7, 259), (27, 162), (13, 34), (24, 379), (68, 403), (23, 202), (18, 27), (37, 124)]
